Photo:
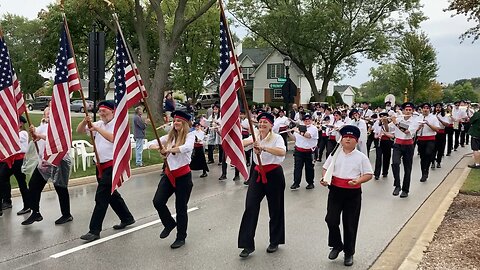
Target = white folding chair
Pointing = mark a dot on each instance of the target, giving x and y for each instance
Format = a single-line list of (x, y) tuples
[(81, 147), (145, 147)]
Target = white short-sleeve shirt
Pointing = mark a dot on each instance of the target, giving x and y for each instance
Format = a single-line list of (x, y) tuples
[(273, 140), (351, 165)]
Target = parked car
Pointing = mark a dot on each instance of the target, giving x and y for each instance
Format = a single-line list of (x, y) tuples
[(207, 99), (77, 106), (40, 103), (179, 106)]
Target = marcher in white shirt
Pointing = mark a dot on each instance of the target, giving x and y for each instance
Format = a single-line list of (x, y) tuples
[(335, 124), (198, 157), (383, 130), (177, 145), (362, 125), (427, 130), (267, 181), (440, 138), (458, 116), (280, 126), (351, 168)]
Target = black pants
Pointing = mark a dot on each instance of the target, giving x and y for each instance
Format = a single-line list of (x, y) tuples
[(183, 188), (6, 188), (464, 137), (321, 145), (347, 203), (382, 158), (210, 150), (36, 185), (248, 153), (371, 139), (427, 155), (274, 191), (285, 139), (303, 159), (330, 146), (457, 136), (103, 198), (449, 134), (440, 141), (405, 153)]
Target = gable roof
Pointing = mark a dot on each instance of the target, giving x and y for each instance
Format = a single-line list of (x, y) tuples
[(257, 55), (341, 88)]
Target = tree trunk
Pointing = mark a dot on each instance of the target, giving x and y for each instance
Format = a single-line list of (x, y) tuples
[(327, 76), (311, 80)]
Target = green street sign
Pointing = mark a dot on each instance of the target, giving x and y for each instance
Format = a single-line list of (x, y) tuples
[(281, 79), (275, 85)]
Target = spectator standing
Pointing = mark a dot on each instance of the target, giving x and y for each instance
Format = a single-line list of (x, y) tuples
[(169, 106), (139, 126)]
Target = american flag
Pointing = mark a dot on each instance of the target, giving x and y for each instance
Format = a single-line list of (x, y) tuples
[(9, 140), (128, 92), (59, 133), (229, 108)]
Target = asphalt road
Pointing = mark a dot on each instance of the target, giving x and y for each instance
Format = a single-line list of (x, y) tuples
[(216, 210)]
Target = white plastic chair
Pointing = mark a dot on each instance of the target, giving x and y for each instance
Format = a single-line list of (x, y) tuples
[(132, 141), (80, 146), (146, 147)]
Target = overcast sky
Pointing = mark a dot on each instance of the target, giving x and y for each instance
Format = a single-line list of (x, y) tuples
[(456, 60)]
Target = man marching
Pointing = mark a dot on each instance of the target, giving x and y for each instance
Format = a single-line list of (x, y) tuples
[(350, 168), (426, 132)]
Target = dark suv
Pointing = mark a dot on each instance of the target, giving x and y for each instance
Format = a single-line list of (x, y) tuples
[(40, 103)]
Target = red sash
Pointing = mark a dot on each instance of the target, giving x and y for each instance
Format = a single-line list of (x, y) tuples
[(343, 183), (404, 141), (426, 138), (283, 128), (333, 138), (176, 173), (303, 150), (196, 145), (11, 159), (104, 166), (441, 131), (266, 169), (385, 138)]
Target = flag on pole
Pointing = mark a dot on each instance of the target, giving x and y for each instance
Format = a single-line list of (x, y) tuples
[(128, 92), (230, 82), (9, 140), (59, 132)]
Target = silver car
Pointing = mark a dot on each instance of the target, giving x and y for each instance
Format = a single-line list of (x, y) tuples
[(77, 106)]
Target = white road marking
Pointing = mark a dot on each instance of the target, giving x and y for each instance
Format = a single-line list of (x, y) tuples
[(113, 236)]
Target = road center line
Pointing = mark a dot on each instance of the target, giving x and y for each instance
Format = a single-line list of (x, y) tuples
[(113, 236)]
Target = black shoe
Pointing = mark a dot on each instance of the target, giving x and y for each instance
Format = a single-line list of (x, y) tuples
[(396, 191), (6, 205), (462, 145), (385, 175), (166, 232), (438, 165), (448, 154), (1, 212), (236, 178), (310, 186), (376, 177), (246, 252), (122, 224), (223, 177), (210, 162), (203, 175), (423, 179), (404, 194), (334, 253), (178, 243), (219, 164), (248, 164), (34, 217), (23, 211), (272, 248), (63, 219), (245, 182), (89, 237), (474, 166), (294, 186), (455, 149), (348, 260), (433, 166)]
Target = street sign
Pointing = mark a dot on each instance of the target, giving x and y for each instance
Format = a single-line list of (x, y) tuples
[(281, 79), (276, 85)]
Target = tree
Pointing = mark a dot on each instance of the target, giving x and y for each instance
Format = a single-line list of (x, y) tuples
[(471, 9), (462, 92), (253, 41), (328, 32)]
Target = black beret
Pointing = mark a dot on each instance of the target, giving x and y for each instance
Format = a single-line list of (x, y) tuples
[(307, 117), (352, 112), (425, 104), (266, 116), (374, 115), (107, 103), (408, 105), (326, 118), (216, 105), (383, 114), (457, 102), (438, 103), (350, 130), (337, 112), (184, 116), (196, 123), (22, 119)]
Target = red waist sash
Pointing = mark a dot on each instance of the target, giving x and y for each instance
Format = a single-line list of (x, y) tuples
[(426, 138), (385, 138), (198, 145), (333, 138), (103, 166), (11, 159), (403, 141), (283, 128), (343, 183), (441, 131), (176, 173), (303, 150), (266, 169)]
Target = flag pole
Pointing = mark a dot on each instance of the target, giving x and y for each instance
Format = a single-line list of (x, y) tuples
[(97, 163), (242, 90), (26, 111)]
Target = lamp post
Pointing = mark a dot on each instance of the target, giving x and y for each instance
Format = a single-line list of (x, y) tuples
[(287, 62)]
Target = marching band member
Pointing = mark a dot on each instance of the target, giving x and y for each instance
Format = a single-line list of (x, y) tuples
[(198, 157), (335, 124), (178, 146), (281, 123), (272, 152), (305, 138), (245, 133), (362, 125), (440, 138), (103, 132), (464, 137), (383, 130), (449, 131), (406, 126), (13, 166), (214, 135), (457, 115), (371, 134), (351, 168), (426, 132)]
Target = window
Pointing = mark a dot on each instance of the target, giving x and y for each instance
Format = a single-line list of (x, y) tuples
[(275, 71), (247, 71), (277, 94)]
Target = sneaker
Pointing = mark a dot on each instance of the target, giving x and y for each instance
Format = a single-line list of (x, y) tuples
[(89, 237), (24, 211), (122, 224), (178, 243), (34, 217), (246, 252), (63, 220)]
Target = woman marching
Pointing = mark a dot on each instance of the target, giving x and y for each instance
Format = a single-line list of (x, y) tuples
[(198, 157), (177, 147), (271, 148)]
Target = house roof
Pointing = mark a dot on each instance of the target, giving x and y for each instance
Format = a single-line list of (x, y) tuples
[(257, 55), (341, 88)]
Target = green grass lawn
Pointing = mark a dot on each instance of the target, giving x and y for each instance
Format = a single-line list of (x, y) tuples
[(472, 183), (155, 157)]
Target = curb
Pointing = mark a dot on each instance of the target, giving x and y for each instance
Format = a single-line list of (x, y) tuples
[(92, 179)]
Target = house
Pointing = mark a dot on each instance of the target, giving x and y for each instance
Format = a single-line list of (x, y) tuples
[(263, 68), (347, 93)]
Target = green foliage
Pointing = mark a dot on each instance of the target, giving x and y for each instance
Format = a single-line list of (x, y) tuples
[(332, 101), (460, 92), (338, 98), (471, 10), (472, 183), (378, 101), (253, 41)]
